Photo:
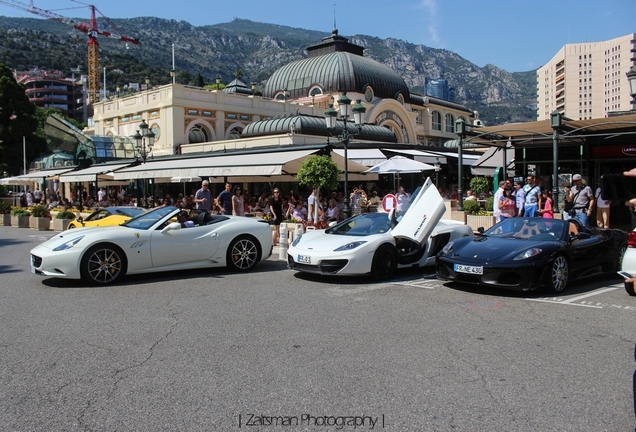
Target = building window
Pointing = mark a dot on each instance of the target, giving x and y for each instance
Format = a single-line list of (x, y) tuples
[(450, 123), (197, 135), (418, 119), (437, 121)]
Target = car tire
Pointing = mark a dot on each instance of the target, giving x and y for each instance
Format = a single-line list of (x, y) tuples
[(621, 254), (559, 273), (243, 253), (629, 287), (103, 264), (384, 262), (70, 226)]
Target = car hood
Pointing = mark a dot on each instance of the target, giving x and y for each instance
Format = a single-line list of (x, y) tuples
[(323, 241), (491, 248), (67, 235)]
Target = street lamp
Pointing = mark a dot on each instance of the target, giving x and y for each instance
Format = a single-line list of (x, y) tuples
[(218, 81), (147, 83), (437, 168), (141, 139), (631, 78), (556, 119), (344, 103), (460, 130), (173, 74), (286, 94)]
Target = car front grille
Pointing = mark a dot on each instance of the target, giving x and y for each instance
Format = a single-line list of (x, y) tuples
[(36, 261), (325, 267)]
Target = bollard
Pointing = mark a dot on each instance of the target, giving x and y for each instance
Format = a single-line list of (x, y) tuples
[(282, 243)]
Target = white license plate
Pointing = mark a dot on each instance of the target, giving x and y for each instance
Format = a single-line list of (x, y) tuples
[(304, 259), (459, 268), (33, 269)]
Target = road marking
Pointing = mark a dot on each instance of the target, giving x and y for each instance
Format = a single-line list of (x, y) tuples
[(571, 301)]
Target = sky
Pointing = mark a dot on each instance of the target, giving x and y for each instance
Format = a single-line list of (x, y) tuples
[(515, 35)]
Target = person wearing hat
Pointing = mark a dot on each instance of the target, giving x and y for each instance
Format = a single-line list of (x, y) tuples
[(582, 198)]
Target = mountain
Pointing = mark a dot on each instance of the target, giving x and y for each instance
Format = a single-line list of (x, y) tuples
[(257, 49)]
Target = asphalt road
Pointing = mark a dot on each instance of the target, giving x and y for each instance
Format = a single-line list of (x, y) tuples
[(212, 350)]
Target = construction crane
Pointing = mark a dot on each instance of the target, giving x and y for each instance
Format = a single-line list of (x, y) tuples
[(90, 29)]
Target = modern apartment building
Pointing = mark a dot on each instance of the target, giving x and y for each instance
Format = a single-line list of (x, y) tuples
[(51, 89), (587, 80)]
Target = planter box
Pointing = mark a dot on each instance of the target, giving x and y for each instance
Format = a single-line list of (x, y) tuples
[(61, 224), (20, 221), (40, 223), (6, 220), (479, 221)]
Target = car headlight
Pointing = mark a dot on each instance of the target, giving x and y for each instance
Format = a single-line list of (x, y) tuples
[(446, 249), (349, 246), (69, 244), (296, 241), (527, 254)]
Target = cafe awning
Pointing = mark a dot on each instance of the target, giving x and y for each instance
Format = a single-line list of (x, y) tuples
[(92, 173), (493, 158), (245, 164), (366, 157), (48, 174)]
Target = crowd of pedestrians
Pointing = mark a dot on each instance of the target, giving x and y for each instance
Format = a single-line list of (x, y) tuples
[(528, 199)]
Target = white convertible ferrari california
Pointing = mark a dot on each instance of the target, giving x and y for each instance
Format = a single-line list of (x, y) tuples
[(151, 242), (379, 243)]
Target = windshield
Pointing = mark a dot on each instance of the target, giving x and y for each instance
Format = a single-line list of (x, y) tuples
[(130, 211), (364, 224), (145, 221), (529, 228)]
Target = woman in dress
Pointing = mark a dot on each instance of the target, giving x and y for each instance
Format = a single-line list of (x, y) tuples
[(546, 210), (507, 205), (238, 206)]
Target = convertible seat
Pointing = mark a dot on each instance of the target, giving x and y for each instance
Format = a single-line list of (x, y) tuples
[(528, 231)]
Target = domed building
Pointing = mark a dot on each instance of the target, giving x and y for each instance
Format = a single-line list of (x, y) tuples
[(288, 113), (335, 65)]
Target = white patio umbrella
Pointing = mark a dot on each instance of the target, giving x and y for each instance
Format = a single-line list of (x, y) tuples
[(398, 165)]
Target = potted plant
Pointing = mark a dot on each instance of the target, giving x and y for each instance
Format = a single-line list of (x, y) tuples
[(40, 218), (20, 217), (62, 219), (5, 211), (477, 217)]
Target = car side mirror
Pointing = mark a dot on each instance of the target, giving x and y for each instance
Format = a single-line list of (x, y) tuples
[(481, 230), (171, 226), (583, 235)]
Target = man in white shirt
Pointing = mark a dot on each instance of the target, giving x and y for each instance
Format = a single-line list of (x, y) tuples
[(495, 203), (311, 205), (101, 195)]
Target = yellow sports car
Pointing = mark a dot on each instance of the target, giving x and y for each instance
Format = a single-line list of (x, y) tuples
[(107, 216)]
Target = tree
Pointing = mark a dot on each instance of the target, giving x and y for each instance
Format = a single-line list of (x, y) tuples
[(200, 82), (319, 172), (17, 122), (238, 74), (479, 185)]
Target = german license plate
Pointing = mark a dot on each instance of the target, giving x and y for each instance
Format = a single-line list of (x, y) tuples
[(459, 268), (304, 259)]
